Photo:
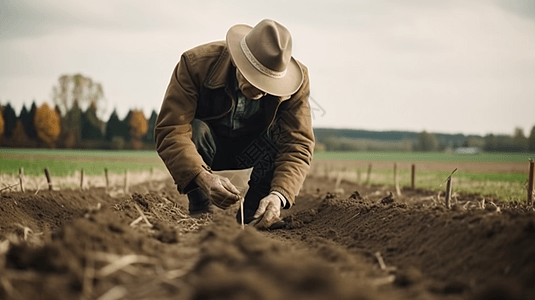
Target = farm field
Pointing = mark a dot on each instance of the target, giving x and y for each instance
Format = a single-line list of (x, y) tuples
[(67, 162), (360, 243), (499, 175)]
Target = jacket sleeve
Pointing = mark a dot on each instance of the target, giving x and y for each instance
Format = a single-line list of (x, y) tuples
[(173, 127), (294, 137)]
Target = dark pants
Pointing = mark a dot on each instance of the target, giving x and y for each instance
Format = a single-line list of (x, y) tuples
[(223, 153)]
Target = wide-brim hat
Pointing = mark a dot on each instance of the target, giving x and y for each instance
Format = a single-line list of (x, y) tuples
[(263, 54)]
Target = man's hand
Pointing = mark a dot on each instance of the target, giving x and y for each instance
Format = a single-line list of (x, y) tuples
[(268, 212), (221, 192)]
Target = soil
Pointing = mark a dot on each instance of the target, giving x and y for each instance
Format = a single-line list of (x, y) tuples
[(364, 243)]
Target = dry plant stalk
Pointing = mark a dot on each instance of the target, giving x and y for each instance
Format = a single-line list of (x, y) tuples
[(413, 176), (142, 215), (9, 187), (124, 262), (498, 210), (338, 180), (380, 260), (82, 179), (115, 293), (241, 212)]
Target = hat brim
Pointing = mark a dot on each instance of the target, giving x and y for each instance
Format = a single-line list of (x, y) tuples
[(283, 86)]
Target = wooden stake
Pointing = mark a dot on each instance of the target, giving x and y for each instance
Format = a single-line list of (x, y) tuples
[(338, 180), (448, 193), (413, 175), (126, 181), (47, 174), (531, 182), (107, 180), (369, 174), (82, 179), (21, 175), (396, 180)]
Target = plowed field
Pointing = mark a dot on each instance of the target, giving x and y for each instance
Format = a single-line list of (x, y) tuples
[(364, 243)]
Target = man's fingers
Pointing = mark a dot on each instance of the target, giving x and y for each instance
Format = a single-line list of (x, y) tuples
[(261, 209), (223, 198), (229, 186), (269, 217)]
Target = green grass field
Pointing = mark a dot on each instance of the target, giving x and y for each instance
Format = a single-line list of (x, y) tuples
[(424, 156), (489, 174), (66, 162)]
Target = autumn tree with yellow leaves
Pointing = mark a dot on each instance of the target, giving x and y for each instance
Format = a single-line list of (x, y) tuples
[(138, 128), (47, 124)]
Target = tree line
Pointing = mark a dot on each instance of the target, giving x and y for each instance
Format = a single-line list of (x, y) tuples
[(74, 121), (47, 127), (358, 140)]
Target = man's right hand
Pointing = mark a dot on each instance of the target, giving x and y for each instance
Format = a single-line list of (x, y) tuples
[(221, 192)]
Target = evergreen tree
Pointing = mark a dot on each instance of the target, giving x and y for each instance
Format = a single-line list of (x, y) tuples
[(10, 119), (125, 127), (150, 137), (114, 127), (531, 140), (91, 125), (30, 125), (24, 118)]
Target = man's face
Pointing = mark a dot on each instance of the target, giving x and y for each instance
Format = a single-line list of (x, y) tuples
[(247, 89)]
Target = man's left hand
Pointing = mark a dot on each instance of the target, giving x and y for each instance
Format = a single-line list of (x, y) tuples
[(268, 212)]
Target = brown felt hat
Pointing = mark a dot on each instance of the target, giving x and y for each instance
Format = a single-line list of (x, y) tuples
[(263, 54)]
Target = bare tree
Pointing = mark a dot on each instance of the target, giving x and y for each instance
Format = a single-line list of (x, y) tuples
[(78, 88)]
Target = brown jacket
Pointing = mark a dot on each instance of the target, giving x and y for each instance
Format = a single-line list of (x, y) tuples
[(198, 89)]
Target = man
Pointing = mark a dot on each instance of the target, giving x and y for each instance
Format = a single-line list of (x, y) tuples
[(237, 104)]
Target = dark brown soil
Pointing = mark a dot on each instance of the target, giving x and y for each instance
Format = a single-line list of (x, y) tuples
[(88, 245)]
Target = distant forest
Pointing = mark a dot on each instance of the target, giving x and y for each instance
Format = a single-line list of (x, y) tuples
[(330, 139), (48, 127), (74, 122)]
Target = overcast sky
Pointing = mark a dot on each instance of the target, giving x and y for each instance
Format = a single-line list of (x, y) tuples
[(442, 66)]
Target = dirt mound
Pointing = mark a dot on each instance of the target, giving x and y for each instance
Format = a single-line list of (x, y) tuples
[(464, 251), (236, 264), (367, 244)]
